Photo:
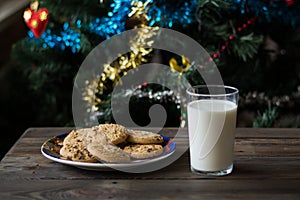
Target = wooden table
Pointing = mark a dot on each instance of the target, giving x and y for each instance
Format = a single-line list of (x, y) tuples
[(267, 166)]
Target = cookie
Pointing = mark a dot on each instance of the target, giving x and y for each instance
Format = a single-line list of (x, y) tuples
[(144, 137), (77, 153), (95, 137), (114, 133), (142, 151), (74, 147), (108, 153), (71, 138)]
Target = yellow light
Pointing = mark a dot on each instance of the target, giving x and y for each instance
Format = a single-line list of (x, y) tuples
[(34, 23), (43, 16), (27, 15)]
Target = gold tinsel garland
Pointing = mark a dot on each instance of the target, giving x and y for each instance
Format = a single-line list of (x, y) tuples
[(112, 72)]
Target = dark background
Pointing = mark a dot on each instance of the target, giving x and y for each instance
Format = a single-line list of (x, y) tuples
[(12, 124)]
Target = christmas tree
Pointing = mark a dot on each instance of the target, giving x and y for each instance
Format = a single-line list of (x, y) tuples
[(253, 43)]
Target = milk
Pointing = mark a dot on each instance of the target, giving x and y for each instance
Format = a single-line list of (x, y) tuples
[(211, 125)]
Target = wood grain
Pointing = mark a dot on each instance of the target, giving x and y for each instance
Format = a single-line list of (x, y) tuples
[(267, 163)]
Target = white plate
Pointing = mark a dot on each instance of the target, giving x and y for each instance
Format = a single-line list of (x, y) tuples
[(50, 150)]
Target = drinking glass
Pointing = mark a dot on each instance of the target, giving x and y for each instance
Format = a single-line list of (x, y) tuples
[(212, 112)]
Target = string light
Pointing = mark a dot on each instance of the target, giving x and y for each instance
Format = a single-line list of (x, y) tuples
[(283, 11), (231, 37), (164, 13)]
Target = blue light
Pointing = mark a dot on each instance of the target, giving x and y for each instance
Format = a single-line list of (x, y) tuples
[(264, 8), (78, 23), (66, 26), (269, 11), (164, 13), (30, 34), (160, 12)]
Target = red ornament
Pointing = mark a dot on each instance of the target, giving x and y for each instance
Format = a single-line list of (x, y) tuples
[(289, 2), (36, 20), (33, 68)]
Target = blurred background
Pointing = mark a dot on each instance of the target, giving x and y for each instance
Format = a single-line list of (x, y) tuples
[(255, 44)]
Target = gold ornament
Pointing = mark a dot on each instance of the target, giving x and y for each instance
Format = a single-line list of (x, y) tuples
[(180, 68)]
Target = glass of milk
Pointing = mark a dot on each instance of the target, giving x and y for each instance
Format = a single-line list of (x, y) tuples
[(211, 112)]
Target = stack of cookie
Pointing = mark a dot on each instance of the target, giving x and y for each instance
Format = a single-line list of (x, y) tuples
[(110, 143)]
